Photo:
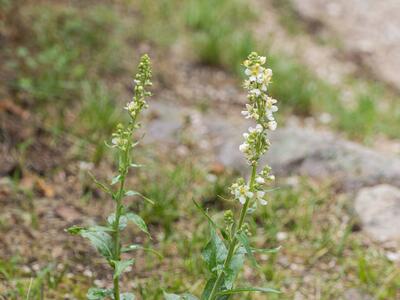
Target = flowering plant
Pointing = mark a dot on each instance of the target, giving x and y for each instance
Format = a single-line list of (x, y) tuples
[(107, 239), (225, 256)]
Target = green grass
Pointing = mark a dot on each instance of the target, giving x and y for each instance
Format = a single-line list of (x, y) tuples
[(63, 49), (217, 31), (323, 248), (374, 110)]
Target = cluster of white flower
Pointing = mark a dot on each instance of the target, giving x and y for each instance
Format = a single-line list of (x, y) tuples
[(242, 192), (122, 137), (142, 80), (261, 108)]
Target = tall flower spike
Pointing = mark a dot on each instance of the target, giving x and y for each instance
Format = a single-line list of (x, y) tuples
[(142, 81), (261, 109)]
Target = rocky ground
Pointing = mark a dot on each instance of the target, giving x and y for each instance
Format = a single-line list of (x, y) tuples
[(196, 110)]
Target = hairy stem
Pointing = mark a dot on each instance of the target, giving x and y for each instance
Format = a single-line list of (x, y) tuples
[(233, 244)]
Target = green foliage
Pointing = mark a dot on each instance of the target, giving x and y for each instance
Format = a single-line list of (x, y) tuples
[(107, 239), (64, 51), (216, 31), (166, 195)]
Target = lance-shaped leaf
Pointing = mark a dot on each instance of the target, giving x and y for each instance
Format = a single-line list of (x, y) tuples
[(127, 296), (120, 266), (101, 185), (115, 179), (267, 251), (136, 166), (134, 247), (234, 268), (75, 229), (205, 214), (101, 240), (123, 221), (99, 294), (210, 220), (185, 296), (215, 251), (248, 289), (242, 237), (134, 193), (136, 219), (207, 289)]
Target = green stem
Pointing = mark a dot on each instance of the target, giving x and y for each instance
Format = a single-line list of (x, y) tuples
[(232, 245), (118, 210)]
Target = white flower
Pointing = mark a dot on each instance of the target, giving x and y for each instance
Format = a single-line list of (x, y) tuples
[(270, 116), (263, 202), (260, 180), (260, 194), (130, 106), (244, 147), (241, 192), (263, 59), (247, 72), (255, 92), (272, 125), (252, 78), (115, 141), (259, 128), (260, 78)]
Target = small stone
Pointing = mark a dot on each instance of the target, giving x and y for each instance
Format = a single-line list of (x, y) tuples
[(355, 294), (379, 209)]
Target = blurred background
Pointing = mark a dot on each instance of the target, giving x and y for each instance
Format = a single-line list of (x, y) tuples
[(66, 70)]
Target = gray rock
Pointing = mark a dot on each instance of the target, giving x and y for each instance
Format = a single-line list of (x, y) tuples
[(299, 151), (379, 210), (355, 294), (294, 150)]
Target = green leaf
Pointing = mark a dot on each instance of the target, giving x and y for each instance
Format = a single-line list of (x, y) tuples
[(207, 289), (205, 214), (101, 240), (120, 266), (139, 247), (127, 296), (134, 193), (101, 185), (75, 229), (100, 228), (242, 237), (172, 296), (136, 166), (185, 296), (115, 179), (136, 219), (248, 289), (123, 221), (267, 251), (234, 268), (98, 293), (215, 251)]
